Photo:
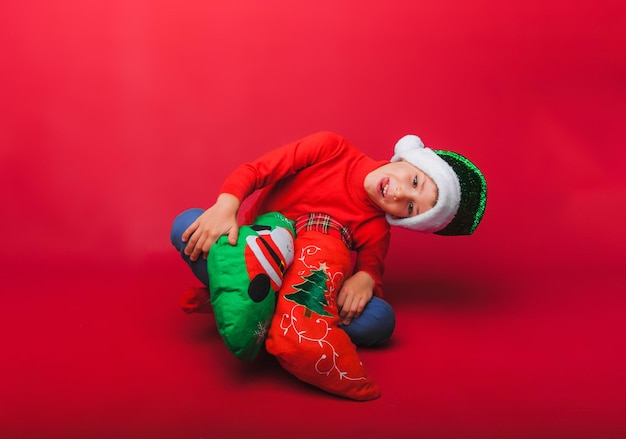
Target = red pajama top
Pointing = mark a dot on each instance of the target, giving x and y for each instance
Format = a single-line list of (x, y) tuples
[(319, 173)]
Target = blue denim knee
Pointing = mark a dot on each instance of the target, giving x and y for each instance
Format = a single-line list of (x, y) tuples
[(180, 224), (375, 325)]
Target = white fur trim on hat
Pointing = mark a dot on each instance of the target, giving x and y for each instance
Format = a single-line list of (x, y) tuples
[(411, 149)]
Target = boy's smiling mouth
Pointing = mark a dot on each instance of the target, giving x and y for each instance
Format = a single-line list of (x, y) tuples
[(384, 186)]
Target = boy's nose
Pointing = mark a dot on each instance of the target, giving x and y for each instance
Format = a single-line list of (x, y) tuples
[(398, 194)]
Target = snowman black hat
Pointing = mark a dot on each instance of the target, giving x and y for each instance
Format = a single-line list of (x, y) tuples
[(462, 189)]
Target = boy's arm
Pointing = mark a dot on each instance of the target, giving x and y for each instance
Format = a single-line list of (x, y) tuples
[(358, 289), (282, 162), (221, 218)]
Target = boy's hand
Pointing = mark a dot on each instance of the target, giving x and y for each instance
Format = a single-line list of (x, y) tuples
[(354, 294), (220, 219)]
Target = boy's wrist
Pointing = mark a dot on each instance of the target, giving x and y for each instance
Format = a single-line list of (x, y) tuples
[(228, 201)]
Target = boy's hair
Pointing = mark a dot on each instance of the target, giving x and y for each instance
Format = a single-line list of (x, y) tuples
[(461, 185)]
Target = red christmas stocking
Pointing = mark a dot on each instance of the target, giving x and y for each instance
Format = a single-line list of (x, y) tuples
[(304, 335)]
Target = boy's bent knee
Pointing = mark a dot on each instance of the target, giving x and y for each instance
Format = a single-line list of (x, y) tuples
[(180, 224), (375, 325)]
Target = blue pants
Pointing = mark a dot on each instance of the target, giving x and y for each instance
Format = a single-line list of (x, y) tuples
[(372, 328)]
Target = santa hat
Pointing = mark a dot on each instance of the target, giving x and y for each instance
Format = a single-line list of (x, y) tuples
[(462, 190)]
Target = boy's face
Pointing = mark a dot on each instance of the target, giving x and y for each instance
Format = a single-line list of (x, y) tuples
[(401, 189)]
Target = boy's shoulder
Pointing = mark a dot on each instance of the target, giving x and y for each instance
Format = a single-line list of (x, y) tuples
[(329, 136)]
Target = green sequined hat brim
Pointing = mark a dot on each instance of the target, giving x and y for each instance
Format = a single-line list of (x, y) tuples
[(473, 195)]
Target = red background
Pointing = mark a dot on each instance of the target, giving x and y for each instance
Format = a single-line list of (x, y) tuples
[(116, 115)]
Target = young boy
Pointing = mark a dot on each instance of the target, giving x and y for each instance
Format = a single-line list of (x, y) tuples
[(325, 183)]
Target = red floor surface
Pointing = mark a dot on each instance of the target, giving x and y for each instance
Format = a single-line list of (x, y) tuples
[(117, 115)]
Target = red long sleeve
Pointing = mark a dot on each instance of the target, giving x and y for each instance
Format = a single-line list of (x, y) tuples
[(322, 172)]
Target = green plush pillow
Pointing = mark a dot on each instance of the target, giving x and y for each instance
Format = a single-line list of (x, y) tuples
[(244, 279)]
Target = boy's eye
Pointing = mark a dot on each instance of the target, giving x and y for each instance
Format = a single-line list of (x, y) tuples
[(410, 208), (415, 181)]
